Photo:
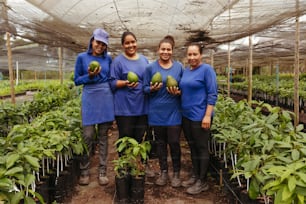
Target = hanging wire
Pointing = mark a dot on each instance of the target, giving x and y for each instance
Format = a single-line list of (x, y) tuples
[(117, 11)]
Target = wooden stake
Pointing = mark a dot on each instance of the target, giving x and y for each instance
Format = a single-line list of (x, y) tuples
[(10, 66), (296, 69), (60, 64)]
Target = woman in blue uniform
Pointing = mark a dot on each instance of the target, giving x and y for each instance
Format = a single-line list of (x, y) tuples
[(199, 93), (97, 102), (131, 105), (164, 110), (130, 101)]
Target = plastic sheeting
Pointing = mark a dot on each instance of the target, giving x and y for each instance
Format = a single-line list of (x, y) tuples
[(214, 24)]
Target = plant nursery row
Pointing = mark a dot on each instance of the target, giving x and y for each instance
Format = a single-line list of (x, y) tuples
[(41, 140), (261, 156)]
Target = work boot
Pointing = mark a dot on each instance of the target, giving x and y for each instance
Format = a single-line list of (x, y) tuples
[(198, 187), (103, 180), (189, 182), (176, 181), (84, 180), (149, 172), (163, 178)]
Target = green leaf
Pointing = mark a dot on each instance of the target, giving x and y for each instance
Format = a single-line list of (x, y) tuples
[(284, 145), (291, 183), (278, 196), (286, 160), (121, 147), (29, 200), (300, 199), (11, 159), (253, 189), (251, 165), (133, 141), (136, 151), (300, 183), (300, 191), (302, 176), (299, 128), (248, 174), (17, 197), (272, 118), (286, 174), (303, 150), (29, 179), (6, 184), (14, 170), (32, 160), (271, 184), (144, 155), (295, 154), (286, 115), (286, 194)]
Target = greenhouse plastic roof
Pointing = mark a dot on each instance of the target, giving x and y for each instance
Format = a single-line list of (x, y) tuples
[(213, 23)]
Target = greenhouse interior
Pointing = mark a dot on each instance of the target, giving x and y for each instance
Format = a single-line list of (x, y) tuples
[(256, 47)]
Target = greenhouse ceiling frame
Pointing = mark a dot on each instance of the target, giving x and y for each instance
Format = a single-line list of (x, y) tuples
[(69, 24)]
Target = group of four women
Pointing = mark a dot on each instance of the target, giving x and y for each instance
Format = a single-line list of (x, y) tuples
[(108, 95)]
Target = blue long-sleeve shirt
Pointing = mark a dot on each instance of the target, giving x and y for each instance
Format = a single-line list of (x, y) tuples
[(164, 108), (97, 97), (198, 89), (129, 101), (83, 60)]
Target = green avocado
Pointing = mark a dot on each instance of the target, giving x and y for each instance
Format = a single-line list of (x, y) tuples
[(157, 78), (93, 65), (171, 81), (132, 77)]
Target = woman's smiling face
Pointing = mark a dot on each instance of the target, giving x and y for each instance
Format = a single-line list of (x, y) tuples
[(130, 45), (98, 47), (194, 56), (165, 51)]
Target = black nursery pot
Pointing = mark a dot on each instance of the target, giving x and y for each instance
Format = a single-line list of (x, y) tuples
[(122, 189), (137, 190), (244, 198), (43, 189)]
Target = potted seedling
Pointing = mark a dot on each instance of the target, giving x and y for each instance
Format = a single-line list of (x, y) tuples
[(122, 178), (131, 161)]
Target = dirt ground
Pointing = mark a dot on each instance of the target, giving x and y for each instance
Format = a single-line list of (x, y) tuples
[(96, 194)]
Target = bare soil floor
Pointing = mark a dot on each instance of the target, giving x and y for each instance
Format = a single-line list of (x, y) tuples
[(96, 194)]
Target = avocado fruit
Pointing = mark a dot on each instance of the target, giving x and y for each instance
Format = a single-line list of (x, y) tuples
[(157, 78), (171, 81), (132, 77), (93, 65)]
